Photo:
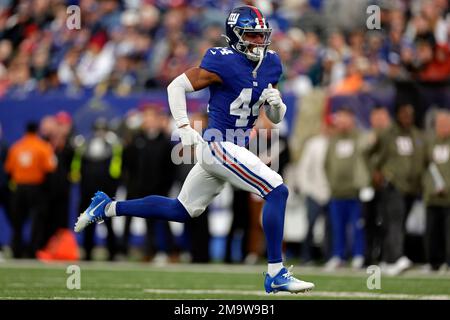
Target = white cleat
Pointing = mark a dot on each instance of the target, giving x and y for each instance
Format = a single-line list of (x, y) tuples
[(284, 281), (94, 213)]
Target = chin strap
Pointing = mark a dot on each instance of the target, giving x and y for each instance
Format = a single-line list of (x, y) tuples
[(261, 57)]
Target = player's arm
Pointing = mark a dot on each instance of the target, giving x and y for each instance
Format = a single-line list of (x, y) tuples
[(276, 109), (201, 78), (192, 80)]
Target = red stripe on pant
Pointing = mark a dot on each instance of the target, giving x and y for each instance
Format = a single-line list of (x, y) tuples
[(234, 165)]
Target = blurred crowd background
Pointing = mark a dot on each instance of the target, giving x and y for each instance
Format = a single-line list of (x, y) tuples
[(133, 45), (366, 119)]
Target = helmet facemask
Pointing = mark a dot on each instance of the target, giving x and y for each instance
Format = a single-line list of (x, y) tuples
[(243, 46)]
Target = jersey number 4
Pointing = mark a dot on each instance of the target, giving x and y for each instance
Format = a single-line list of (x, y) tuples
[(241, 106)]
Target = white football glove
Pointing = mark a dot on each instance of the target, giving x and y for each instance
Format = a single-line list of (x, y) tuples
[(273, 96), (189, 136)]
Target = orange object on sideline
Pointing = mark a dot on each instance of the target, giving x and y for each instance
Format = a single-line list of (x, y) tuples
[(62, 246)]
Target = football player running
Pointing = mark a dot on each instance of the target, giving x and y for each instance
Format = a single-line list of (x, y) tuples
[(241, 78)]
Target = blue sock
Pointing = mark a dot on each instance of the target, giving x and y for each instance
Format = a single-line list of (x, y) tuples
[(273, 222), (156, 207)]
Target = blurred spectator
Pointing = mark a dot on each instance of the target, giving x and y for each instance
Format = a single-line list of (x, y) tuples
[(176, 61), (67, 74), (379, 122), (156, 176), (166, 39), (353, 80), (437, 193), (110, 13), (159, 37), (398, 169), (40, 69), (347, 175), (149, 17), (58, 184), (237, 234), (20, 82), (97, 62), (130, 169), (124, 77), (48, 127), (148, 160), (29, 161), (312, 182), (431, 61), (429, 18), (98, 162)]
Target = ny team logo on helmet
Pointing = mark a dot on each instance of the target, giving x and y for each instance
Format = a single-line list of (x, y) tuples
[(247, 19)]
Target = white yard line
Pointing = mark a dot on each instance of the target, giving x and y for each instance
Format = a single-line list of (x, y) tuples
[(324, 294), (259, 293)]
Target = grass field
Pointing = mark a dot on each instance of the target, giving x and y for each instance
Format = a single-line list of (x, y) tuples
[(101, 280)]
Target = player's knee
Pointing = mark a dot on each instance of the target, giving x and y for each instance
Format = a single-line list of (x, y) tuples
[(181, 211), (196, 213), (281, 192), (284, 191), (192, 209)]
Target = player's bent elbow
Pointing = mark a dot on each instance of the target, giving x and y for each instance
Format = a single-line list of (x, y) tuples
[(171, 87), (181, 82)]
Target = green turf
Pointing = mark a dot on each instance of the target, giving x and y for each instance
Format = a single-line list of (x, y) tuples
[(33, 280)]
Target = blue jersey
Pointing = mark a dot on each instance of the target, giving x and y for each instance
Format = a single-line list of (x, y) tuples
[(234, 105)]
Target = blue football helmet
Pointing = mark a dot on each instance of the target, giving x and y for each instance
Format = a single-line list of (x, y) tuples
[(247, 19)]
